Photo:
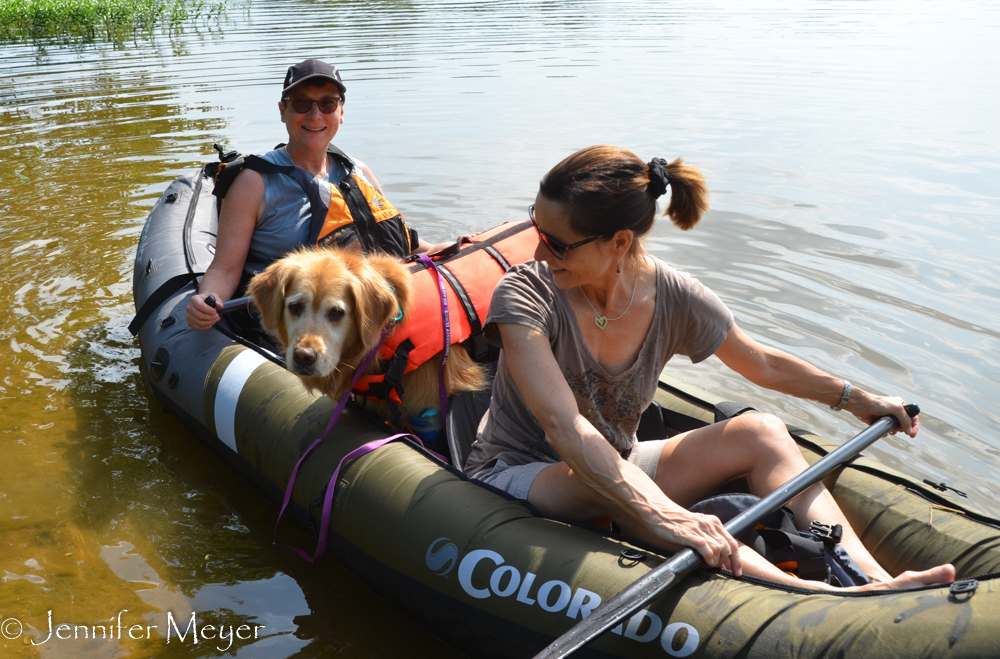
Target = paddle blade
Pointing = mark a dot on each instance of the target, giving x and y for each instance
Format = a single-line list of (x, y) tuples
[(611, 613)]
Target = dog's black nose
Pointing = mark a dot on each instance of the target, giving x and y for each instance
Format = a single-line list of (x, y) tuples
[(304, 356)]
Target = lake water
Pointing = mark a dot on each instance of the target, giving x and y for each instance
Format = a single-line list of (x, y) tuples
[(852, 149)]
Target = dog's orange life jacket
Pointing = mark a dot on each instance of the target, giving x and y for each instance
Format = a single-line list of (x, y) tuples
[(342, 213), (471, 268)]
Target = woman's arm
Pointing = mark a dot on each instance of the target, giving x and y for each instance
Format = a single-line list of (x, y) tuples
[(777, 370), (593, 460), (241, 208)]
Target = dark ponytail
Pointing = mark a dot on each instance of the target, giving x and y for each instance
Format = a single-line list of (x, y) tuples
[(609, 189), (688, 195)]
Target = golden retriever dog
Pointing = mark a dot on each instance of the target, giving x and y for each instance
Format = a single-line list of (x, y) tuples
[(328, 308)]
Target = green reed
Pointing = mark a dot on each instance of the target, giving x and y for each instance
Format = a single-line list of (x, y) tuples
[(100, 20)]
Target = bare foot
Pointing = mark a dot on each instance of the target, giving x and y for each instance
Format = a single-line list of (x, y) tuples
[(910, 579)]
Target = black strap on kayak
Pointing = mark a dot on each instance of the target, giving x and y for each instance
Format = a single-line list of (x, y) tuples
[(176, 283), (224, 172), (727, 409), (159, 296)]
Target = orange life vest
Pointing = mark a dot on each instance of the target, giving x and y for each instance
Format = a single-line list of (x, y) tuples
[(471, 269), (342, 213)]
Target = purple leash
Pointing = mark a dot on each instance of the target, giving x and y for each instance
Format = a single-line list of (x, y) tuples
[(333, 421), (324, 523), (370, 446), (446, 318)]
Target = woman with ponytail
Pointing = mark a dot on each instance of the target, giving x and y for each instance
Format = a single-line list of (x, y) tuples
[(587, 327)]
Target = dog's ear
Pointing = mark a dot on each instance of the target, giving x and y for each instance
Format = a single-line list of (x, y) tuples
[(398, 277), (382, 287), (268, 292)]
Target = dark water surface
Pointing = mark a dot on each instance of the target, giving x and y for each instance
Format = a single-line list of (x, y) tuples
[(852, 148)]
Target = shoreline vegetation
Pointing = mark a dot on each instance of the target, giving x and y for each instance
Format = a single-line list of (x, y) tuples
[(88, 21)]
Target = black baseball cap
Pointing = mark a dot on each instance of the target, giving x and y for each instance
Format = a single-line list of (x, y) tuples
[(309, 69)]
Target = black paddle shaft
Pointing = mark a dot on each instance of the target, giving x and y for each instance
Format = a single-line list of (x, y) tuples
[(662, 578), (230, 306)]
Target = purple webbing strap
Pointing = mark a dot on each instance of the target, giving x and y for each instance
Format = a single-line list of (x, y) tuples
[(324, 522), (333, 421), (446, 317)]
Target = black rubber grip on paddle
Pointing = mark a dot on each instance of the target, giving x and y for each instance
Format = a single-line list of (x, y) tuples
[(230, 306)]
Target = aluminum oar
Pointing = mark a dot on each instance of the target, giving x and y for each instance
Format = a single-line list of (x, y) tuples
[(667, 575)]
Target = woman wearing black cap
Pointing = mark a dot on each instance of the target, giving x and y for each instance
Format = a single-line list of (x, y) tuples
[(266, 215), (587, 328)]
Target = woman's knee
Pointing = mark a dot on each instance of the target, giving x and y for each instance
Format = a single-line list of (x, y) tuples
[(767, 432)]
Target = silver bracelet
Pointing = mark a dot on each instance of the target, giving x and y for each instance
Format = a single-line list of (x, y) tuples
[(843, 399)]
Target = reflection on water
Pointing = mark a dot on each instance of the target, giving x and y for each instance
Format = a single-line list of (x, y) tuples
[(852, 150)]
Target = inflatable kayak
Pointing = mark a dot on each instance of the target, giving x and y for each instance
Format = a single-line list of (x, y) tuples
[(491, 577)]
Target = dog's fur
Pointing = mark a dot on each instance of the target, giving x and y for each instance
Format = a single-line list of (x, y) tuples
[(328, 308)]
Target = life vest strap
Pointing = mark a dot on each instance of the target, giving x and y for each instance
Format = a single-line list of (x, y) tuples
[(498, 257), (225, 172), (361, 213), (477, 345), (471, 281), (467, 245), (388, 387)]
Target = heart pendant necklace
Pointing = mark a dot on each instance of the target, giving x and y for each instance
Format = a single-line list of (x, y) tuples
[(602, 321)]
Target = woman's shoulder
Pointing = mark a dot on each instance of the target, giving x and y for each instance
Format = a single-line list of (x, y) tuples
[(529, 268), (527, 284), (277, 157), (531, 274), (674, 278)]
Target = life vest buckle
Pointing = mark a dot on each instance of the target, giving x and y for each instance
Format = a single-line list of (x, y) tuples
[(831, 534), (226, 156), (478, 347)]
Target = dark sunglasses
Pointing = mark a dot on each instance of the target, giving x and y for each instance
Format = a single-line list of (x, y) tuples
[(304, 105), (557, 248)]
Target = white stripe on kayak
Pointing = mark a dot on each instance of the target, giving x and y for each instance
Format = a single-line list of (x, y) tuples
[(228, 394)]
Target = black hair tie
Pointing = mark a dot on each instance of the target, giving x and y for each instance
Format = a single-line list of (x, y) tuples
[(658, 177)]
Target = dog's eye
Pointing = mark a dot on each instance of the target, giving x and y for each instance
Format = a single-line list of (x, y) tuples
[(295, 308), (335, 314)]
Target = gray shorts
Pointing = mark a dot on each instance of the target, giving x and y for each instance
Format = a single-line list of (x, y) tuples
[(516, 481)]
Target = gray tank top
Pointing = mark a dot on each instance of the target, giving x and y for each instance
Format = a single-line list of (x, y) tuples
[(284, 225)]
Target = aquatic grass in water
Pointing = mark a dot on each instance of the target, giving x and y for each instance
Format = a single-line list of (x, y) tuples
[(99, 20)]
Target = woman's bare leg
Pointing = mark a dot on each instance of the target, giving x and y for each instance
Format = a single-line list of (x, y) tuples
[(697, 464), (558, 492), (756, 447), (757, 566)]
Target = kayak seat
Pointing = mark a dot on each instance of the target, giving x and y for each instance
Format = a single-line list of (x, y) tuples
[(465, 411), (658, 422)]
